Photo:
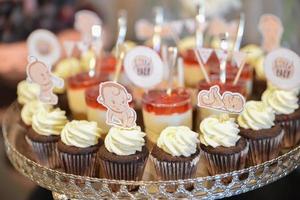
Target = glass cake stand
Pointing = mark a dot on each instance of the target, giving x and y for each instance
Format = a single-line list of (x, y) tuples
[(67, 186)]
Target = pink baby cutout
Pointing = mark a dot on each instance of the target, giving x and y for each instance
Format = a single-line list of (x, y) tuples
[(116, 99), (271, 29), (228, 102), (39, 73)]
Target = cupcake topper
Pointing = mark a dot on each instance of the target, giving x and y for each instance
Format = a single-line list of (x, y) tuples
[(44, 45), (171, 57), (240, 33), (122, 26), (222, 55), (228, 102), (202, 55), (271, 29), (143, 67), (84, 20), (159, 18), (282, 68), (200, 23), (240, 60), (69, 47), (39, 73), (115, 98)]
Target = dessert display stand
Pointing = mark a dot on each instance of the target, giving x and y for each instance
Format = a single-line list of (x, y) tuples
[(67, 186)]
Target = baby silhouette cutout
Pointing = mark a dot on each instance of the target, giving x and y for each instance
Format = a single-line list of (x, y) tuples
[(271, 29), (39, 73), (116, 99), (229, 102)]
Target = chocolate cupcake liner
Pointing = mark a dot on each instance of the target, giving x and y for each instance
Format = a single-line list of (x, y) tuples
[(265, 149), (175, 170), (291, 132), (131, 171), (46, 152), (80, 164), (224, 163)]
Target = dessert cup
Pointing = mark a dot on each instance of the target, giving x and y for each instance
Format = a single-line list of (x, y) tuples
[(76, 86), (161, 110)]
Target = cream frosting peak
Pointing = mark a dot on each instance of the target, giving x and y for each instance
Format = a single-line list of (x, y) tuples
[(31, 108), (124, 141), (219, 131), (49, 122), (80, 133), (27, 92), (281, 101), (178, 141), (256, 116)]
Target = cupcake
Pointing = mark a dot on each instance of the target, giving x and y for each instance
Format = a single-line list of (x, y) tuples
[(27, 92), (29, 109), (78, 148), (223, 148), (44, 135), (176, 154), (287, 113), (124, 154), (258, 128)]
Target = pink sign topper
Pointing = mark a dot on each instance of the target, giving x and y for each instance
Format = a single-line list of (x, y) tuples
[(282, 68), (271, 29), (115, 98), (227, 102), (39, 73)]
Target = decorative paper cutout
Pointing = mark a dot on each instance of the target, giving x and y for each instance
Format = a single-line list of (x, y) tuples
[(239, 57), (143, 67), (282, 68), (204, 54), (221, 54), (228, 101), (115, 98), (145, 29), (271, 29), (218, 26), (84, 20), (69, 47), (44, 45), (39, 73)]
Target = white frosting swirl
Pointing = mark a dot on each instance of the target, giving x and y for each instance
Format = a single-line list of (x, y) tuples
[(49, 122), (27, 92), (282, 101), (256, 116), (124, 142), (221, 131), (178, 141), (80, 133), (31, 108)]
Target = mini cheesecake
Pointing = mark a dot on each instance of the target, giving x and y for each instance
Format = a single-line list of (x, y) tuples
[(76, 86), (96, 111), (161, 110)]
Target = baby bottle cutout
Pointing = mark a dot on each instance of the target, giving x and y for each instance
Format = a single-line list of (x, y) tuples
[(39, 73), (115, 98), (228, 101)]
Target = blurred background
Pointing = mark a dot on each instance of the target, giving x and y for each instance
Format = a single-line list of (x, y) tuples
[(19, 18)]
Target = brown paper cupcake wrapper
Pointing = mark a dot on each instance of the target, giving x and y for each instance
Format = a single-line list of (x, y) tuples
[(131, 171), (175, 170), (46, 153), (262, 150), (80, 164), (223, 163), (291, 132)]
